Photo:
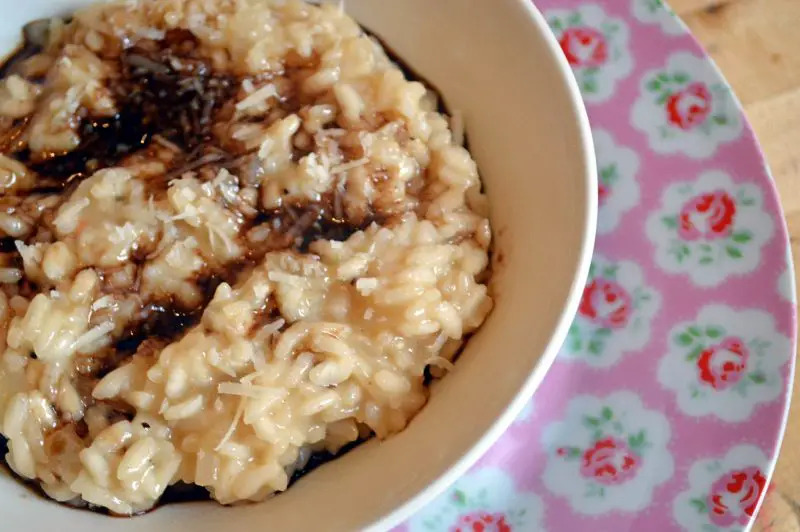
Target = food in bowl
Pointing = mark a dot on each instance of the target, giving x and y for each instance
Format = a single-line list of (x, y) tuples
[(235, 236)]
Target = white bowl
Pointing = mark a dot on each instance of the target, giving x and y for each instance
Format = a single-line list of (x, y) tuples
[(497, 62)]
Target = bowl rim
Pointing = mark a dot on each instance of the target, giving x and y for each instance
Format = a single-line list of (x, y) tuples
[(416, 503)]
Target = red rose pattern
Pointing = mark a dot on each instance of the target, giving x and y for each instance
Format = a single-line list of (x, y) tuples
[(584, 47), (734, 497), (707, 216), (610, 462), (689, 107), (606, 303), (481, 522), (603, 191), (723, 365)]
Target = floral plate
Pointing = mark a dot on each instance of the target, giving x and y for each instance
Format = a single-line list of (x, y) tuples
[(666, 407)]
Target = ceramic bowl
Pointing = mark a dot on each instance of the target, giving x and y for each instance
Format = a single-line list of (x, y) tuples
[(499, 65)]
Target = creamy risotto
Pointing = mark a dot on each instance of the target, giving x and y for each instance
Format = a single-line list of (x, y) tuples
[(234, 236)]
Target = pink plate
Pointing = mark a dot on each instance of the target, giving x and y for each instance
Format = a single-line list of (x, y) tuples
[(667, 405)]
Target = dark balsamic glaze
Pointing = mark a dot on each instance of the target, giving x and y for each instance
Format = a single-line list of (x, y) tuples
[(165, 88), (162, 87)]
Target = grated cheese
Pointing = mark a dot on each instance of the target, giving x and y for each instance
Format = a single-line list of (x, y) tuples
[(66, 220), (440, 362), (274, 327), (234, 423), (366, 285), (259, 361), (103, 302), (258, 97), (244, 389), (283, 277), (345, 167), (439, 342), (166, 143), (93, 335)]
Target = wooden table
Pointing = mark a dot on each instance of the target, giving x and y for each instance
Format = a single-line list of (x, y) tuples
[(756, 43)]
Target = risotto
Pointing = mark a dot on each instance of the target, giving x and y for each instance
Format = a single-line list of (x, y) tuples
[(235, 237)]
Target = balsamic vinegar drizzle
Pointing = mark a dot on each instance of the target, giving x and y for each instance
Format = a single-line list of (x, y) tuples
[(155, 98)]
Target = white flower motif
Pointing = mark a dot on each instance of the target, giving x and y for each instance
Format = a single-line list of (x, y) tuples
[(614, 316), (658, 12), (725, 363), (723, 493), (485, 496), (617, 167), (687, 107), (710, 228), (596, 47), (607, 454)]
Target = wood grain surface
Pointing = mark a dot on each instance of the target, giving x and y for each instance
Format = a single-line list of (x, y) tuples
[(756, 43)]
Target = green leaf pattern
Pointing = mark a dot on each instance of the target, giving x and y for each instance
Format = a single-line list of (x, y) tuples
[(655, 11), (699, 505), (609, 175)]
